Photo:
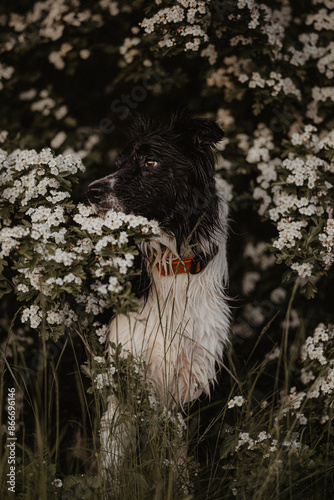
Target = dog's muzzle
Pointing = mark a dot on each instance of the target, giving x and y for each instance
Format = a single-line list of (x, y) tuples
[(100, 195)]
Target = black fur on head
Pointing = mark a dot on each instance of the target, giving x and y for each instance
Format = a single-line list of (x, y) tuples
[(166, 173)]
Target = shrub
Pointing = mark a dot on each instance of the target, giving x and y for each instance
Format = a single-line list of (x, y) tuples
[(58, 255), (72, 73)]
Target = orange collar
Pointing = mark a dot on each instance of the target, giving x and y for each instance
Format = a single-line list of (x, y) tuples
[(192, 265)]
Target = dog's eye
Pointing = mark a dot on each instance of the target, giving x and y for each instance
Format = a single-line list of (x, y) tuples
[(151, 163)]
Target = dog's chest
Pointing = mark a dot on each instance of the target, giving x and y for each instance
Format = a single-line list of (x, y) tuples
[(179, 333), (164, 324)]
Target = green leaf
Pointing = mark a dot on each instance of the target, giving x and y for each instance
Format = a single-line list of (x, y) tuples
[(314, 231), (3, 263), (309, 290), (257, 107), (86, 371), (5, 288), (229, 444)]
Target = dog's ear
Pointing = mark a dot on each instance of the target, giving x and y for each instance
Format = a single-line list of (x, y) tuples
[(205, 132)]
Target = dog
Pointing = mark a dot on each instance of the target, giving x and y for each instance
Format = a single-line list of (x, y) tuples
[(167, 173)]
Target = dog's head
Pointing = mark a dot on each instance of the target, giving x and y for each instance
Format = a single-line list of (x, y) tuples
[(166, 173)]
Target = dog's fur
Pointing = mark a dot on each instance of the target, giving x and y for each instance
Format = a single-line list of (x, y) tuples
[(167, 174)]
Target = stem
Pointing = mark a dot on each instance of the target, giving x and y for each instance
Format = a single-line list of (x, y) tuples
[(286, 334), (285, 357)]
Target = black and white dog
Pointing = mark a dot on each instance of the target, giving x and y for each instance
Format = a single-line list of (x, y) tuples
[(167, 173)]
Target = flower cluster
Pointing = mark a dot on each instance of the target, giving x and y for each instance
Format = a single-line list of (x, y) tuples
[(127, 49), (125, 376), (176, 420), (236, 401), (317, 352), (191, 13), (317, 377), (271, 64), (297, 415), (104, 379), (260, 152), (314, 346), (262, 442), (6, 73), (62, 257), (296, 193), (29, 174), (276, 83), (326, 239), (274, 21)]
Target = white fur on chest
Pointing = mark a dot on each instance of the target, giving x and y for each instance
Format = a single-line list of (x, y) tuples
[(180, 331)]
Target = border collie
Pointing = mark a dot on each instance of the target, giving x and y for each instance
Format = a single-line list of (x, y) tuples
[(167, 173)]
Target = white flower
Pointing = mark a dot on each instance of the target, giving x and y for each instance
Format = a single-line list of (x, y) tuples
[(304, 270), (57, 483), (306, 376), (302, 419), (69, 278), (123, 238), (99, 360), (256, 81), (105, 379), (273, 446), (324, 419), (113, 285), (54, 317), (238, 400), (63, 257), (102, 333), (313, 347), (33, 314), (262, 436), (275, 354), (244, 438), (100, 381)]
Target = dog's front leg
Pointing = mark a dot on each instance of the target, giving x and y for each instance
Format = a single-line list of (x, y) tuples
[(115, 440)]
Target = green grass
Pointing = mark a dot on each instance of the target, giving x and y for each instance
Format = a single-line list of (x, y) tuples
[(59, 415)]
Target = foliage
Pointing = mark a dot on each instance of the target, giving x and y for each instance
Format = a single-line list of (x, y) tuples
[(285, 445), (62, 254), (300, 201), (72, 72), (155, 436)]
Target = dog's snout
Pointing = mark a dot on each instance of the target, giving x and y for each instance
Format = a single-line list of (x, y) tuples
[(95, 192)]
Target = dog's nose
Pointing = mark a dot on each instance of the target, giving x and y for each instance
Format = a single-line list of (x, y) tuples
[(95, 191)]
